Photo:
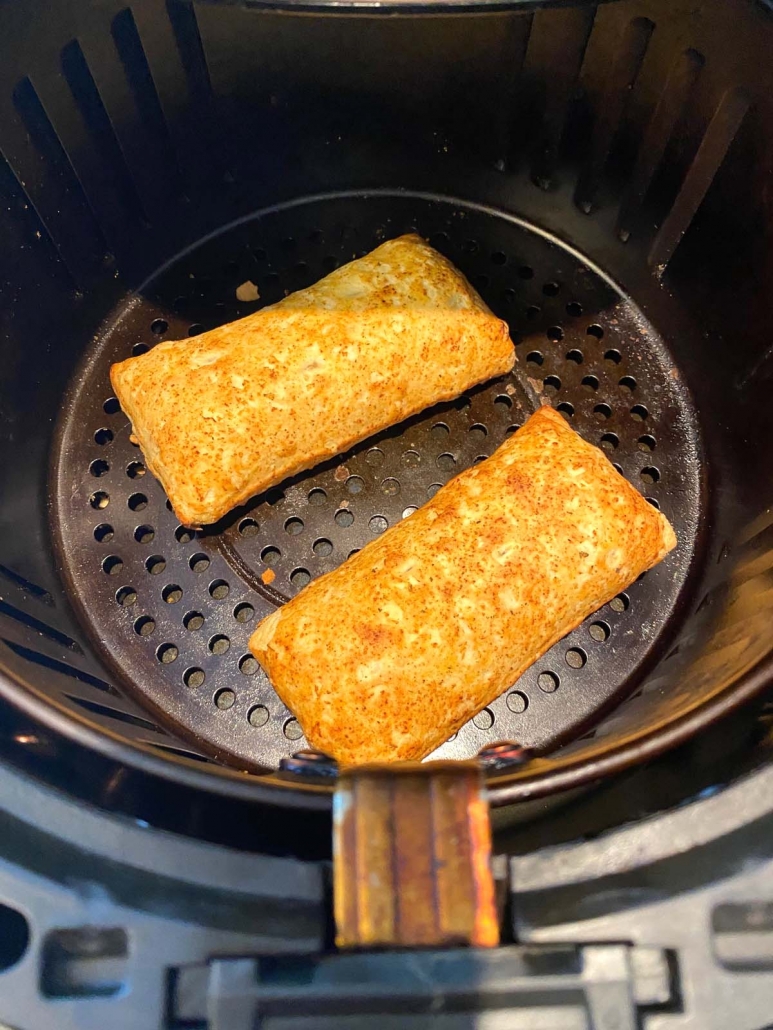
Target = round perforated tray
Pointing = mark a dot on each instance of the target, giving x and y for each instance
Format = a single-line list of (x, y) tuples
[(173, 609)]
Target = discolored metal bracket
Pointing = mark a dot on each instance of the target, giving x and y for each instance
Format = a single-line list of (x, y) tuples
[(412, 857)]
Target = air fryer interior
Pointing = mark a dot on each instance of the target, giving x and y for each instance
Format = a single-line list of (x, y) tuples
[(601, 177)]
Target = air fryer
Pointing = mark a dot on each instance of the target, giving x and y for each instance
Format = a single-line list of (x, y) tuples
[(602, 176)]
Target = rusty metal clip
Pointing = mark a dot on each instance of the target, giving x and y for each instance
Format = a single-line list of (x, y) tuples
[(412, 857)]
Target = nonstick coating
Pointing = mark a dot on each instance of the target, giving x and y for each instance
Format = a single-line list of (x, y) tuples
[(172, 609)]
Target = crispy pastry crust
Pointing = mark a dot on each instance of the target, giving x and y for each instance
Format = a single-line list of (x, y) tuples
[(232, 412), (384, 658)]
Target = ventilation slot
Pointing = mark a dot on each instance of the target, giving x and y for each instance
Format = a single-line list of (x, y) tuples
[(711, 153), (40, 627), (668, 110), (38, 160), (558, 43), (26, 585), (61, 667), (622, 75), (115, 713)]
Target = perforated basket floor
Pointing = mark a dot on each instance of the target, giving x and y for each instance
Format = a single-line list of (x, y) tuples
[(172, 609)]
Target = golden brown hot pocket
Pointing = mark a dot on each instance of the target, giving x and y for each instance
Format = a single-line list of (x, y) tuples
[(232, 412), (384, 658)]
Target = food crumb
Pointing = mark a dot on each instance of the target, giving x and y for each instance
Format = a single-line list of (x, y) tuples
[(268, 576), (341, 473), (133, 439), (510, 390), (247, 291)]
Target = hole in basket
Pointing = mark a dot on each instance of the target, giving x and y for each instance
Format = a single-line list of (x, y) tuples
[(390, 487), (621, 603), (224, 699), (646, 443), (627, 384), (478, 431), (155, 564), (525, 272), (445, 462), (292, 729), (126, 596), (294, 526), (159, 326), (554, 333), (407, 512), (534, 358), (439, 431), (270, 556), (139, 348), (517, 701), (595, 330), (374, 457), (378, 524), (14, 937), (512, 429), (650, 474), (470, 246), (112, 565), (613, 357), (257, 715), (610, 442), (462, 404), (574, 308), (590, 383), (317, 497), (575, 658), (433, 488), (196, 329), (144, 534), (172, 593), (273, 497), (484, 720), (322, 547), (144, 626), (412, 459), (137, 502), (498, 258), (551, 384), (551, 289), (654, 502), (103, 437), (548, 681), (219, 644), (343, 517), (639, 413), (99, 468), (503, 402), (618, 468), (103, 533), (219, 589), (352, 553), (603, 410), (135, 470), (193, 621), (575, 356), (565, 408), (354, 484), (194, 677), (99, 499), (167, 653), (300, 577), (599, 631), (244, 612), (111, 406), (248, 527), (532, 311), (248, 665)]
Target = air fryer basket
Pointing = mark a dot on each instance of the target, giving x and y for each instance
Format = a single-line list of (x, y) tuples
[(600, 174)]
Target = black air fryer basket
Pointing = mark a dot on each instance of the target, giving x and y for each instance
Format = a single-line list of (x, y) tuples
[(602, 174)]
